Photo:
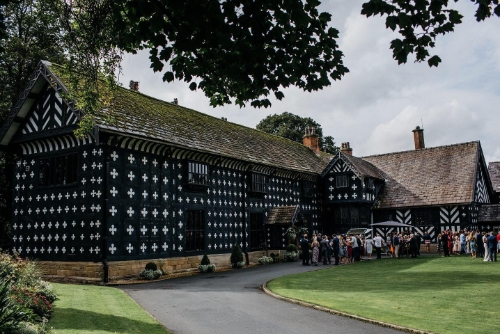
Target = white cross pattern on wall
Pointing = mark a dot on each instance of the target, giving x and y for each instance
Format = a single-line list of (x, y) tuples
[(112, 229), (130, 212), (114, 155), (131, 158), (129, 248), (131, 193)]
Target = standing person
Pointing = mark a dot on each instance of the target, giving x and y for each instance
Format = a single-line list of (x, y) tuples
[(305, 246), (463, 243), (498, 242), (336, 248), (377, 241), (369, 248), (349, 248), (472, 245), (395, 244), (427, 241), (486, 248), (444, 241), (419, 242), (388, 240), (440, 244), (324, 249), (456, 244), (315, 250), (492, 245), (413, 245), (479, 244)]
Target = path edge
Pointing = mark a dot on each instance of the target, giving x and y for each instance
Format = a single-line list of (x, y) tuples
[(342, 314)]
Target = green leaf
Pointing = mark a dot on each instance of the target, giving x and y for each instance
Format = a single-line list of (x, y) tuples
[(168, 76), (434, 61)]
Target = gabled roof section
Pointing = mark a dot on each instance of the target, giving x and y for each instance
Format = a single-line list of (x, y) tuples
[(494, 170), (138, 115), (428, 177), (34, 88), (360, 167), (284, 215)]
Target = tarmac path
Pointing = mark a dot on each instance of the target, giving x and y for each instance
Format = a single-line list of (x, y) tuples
[(232, 302)]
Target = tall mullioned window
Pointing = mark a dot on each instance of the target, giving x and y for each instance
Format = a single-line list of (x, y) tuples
[(195, 230), (258, 183), (256, 230), (197, 173), (58, 171), (341, 181)]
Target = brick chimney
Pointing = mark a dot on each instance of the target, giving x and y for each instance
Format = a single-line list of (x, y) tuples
[(418, 138), (176, 101), (346, 148), (310, 139), (134, 85)]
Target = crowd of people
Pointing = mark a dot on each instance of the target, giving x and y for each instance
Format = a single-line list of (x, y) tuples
[(350, 248), (483, 245)]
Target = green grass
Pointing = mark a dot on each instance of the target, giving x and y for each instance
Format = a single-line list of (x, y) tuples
[(96, 309), (442, 295)]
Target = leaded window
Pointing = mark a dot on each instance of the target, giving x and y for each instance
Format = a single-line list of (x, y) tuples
[(341, 181), (197, 173), (308, 189), (258, 183), (425, 217), (58, 171), (195, 230), (256, 230)]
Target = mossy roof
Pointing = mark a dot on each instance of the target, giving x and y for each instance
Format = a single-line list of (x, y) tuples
[(140, 115)]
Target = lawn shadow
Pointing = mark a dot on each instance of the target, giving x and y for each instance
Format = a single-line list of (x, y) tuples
[(89, 321)]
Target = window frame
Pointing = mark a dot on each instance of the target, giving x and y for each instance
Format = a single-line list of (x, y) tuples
[(58, 171), (256, 230), (197, 175), (342, 181), (195, 235), (258, 183), (309, 189)]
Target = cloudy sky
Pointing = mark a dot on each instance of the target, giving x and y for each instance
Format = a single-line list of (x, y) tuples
[(377, 104)]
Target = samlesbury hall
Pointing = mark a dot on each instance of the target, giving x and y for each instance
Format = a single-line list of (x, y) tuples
[(160, 182)]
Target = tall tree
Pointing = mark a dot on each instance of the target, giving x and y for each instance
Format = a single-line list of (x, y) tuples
[(32, 33), (293, 127)]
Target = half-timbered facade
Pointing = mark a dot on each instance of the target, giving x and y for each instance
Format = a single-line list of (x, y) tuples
[(160, 181)]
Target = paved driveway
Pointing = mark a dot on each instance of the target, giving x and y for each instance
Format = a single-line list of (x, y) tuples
[(231, 302)]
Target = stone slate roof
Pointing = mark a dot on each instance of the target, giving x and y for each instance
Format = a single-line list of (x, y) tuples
[(139, 115), (364, 167), (489, 213), (494, 170), (282, 215), (432, 176)]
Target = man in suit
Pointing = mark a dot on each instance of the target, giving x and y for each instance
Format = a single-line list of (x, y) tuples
[(324, 249), (492, 245), (305, 245), (336, 249), (479, 244)]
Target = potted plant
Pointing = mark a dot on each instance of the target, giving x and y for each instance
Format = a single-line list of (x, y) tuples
[(205, 266), (237, 257)]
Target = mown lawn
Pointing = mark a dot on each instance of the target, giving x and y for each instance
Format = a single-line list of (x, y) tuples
[(97, 309), (442, 295)]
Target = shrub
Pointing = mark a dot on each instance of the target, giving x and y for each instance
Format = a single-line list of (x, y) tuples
[(265, 260), (291, 248), (12, 313), (236, 256), (207, 268), (150, 274), (290, 256), (205, 260), (32, 299), (151, 266)]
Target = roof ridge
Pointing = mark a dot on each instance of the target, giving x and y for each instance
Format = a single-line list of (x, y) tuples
[(419, 150)]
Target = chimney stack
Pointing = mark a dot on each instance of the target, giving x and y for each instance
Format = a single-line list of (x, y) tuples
[(346, 148), (418, 138), (310, 139), (176, 101), (134, 85)]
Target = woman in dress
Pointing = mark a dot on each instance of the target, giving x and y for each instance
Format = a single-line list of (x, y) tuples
[(349, 250), (472, 245), (369, 247), (486, 248), (315, 248), (456, 244)]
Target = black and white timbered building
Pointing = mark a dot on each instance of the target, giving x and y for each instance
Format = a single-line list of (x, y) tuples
[(163, 181)]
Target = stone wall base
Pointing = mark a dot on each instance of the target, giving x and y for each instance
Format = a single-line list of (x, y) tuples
[(94, 271)]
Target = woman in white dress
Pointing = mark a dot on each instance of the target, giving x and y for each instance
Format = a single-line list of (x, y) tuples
[(369, 248), (486, 248)]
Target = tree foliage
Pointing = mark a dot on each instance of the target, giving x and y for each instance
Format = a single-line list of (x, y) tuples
[(293, 127), (32, 33), (419, 22)]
